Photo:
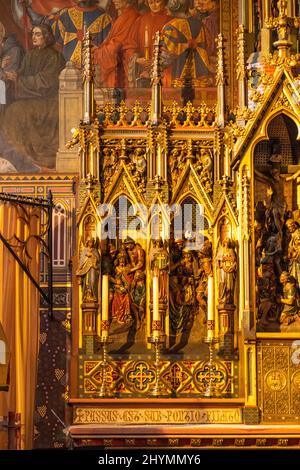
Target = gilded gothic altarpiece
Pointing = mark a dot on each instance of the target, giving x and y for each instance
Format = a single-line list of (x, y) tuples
[(184, 271)]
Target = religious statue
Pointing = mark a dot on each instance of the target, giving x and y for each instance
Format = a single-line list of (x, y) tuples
[(294, 249), (89, 270), (267, 312), (184, 276), (227, 272), (204, 169), (276, 203), (139, 168), (205, 270), (159, 263), (289, 318), (128, 292), (121, 280), (139, 299), (136, 256)]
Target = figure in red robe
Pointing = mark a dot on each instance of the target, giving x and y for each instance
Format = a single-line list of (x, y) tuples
[(142, 35), (114, 54), (45, 7)]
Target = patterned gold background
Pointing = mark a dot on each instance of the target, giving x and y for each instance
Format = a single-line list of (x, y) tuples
[(278, 381)]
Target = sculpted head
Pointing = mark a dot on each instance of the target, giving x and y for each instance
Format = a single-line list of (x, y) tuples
[(284, 277), (291, 225)]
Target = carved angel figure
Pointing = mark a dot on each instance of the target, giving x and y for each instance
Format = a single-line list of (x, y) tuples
[(227, 272), (89, 270)]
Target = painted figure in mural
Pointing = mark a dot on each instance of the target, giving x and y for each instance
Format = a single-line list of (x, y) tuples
[(294, 249), (185, 47), (114, 54), (68, 19), (209, 12), (30, 125), (142, 35), (289, 318), (69, 24), (89, 270), (227, 272), (46, 7), (11, 55)]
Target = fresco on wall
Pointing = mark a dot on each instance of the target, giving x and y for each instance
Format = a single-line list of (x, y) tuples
[(38, 37)]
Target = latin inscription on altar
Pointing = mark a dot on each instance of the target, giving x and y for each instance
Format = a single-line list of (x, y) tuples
[(154, 415)]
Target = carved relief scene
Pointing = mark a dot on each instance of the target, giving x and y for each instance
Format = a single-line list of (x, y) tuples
[(276, 228)]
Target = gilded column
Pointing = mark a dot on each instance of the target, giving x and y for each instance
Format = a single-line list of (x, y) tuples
[(89, 252), (251, 411), (246, 241), (89, 127), (88, 79), (156, 97)]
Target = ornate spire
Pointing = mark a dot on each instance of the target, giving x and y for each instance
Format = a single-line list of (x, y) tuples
[(156, 101), (282, 23), (88, 79)]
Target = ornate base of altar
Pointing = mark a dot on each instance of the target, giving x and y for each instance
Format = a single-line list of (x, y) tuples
[(164, 423)]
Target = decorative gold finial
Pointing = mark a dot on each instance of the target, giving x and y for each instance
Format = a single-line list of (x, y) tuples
[(156, 101), (88, 79), (282, 23)]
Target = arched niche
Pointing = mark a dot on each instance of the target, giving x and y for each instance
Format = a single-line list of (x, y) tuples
[(189, 219), (59, 221)]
